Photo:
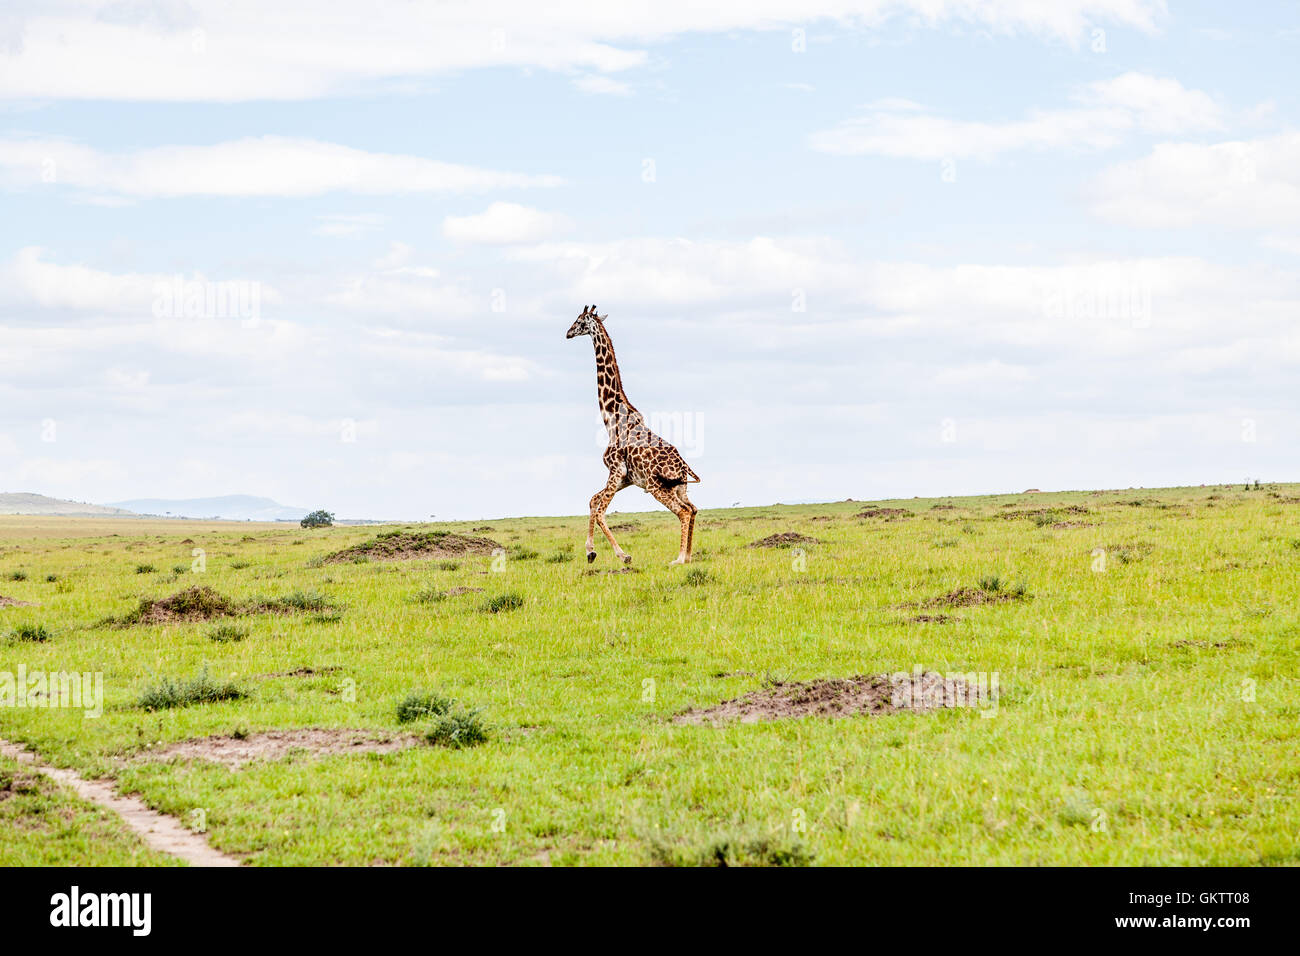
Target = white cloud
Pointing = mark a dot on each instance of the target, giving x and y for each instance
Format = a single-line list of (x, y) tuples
[(1108, 110), (602, 85), (397, 256), (231, 50), (983, 374), (63, 472), (1157, 104), (255, 166), (1240, 184), (1287, 244), (30, 279), (345, 226), (505, 222), (1115, 307)]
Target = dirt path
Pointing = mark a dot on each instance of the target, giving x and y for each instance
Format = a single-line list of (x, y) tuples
[(162, 833)]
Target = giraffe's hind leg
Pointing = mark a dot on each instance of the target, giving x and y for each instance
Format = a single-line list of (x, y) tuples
[(680, 493), (599, 502), (685, 512)]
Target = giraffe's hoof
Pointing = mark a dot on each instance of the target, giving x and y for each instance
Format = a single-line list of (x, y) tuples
[(591, 556), (678, 561), (627, 559)]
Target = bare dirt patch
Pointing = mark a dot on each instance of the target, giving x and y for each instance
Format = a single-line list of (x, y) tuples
[(303, 672), (628, 526), (406, 545), (786, 539), (873, 695), (889, 514), (14, 602), (236, 751), (933, 619), (1070, 525), (457, 591)]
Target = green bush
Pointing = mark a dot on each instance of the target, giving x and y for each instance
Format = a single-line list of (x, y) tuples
[(421, 705), (170, 692), (33, 633), (696, 577), (462, 729), (227, 633), (503, 602)]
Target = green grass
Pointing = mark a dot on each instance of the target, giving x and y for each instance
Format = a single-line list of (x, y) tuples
[(1148, 712)]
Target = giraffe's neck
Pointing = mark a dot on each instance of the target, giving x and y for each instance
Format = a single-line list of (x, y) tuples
[(615, 408)]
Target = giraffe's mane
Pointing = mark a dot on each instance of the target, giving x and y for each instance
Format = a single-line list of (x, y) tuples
[(605, 356)]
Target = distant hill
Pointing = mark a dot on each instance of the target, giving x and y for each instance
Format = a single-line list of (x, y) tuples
[(229, 507), (26, 503)]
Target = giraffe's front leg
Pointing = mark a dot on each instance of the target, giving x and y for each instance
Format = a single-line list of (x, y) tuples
[(599, 502)]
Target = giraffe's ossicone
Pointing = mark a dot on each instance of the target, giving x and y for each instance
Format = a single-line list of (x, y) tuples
[(635, 455)]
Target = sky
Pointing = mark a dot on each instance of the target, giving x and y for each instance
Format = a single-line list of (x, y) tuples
[(327, 252)]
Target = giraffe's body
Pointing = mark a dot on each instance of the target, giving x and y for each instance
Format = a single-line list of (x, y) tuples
[(635, 455)]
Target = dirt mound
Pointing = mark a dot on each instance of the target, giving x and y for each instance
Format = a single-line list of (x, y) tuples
[(628, 526), (199, 603), (405, 545), (1035, 512), (235, 751), (457, 591), (786, 539), (14, 602), (974, 597), (1068, 525), (839, 697), (887, 513), (943, 507)]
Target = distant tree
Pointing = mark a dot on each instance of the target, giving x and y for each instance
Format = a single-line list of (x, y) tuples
[(318, 519)]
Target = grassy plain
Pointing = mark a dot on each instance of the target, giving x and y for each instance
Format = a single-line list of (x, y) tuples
[(1149, 707)]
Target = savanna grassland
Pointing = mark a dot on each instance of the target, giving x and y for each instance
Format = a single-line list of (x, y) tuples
[(1148, 709)]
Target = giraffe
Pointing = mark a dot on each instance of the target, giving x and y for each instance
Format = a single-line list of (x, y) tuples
[(636, 455)]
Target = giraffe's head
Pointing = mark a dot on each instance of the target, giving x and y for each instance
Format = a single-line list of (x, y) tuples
[(586, 323)]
